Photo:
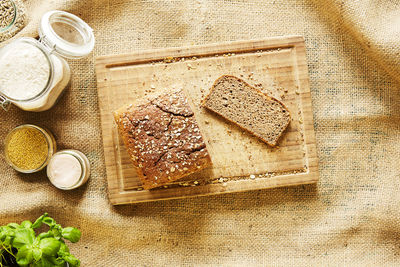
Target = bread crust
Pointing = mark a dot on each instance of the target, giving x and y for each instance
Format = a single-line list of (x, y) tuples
[(240, 126)]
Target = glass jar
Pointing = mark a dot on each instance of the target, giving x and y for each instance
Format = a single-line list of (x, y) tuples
[(34, 73), (9, 9), (68, 169), (13, 20), (51, 147)]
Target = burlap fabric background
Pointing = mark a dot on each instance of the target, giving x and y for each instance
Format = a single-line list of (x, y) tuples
[(351, 217)]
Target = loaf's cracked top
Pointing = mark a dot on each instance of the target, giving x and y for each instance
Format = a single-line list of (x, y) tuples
[(162, 138)]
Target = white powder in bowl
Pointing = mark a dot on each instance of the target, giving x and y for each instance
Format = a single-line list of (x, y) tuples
[(24, 71), (64, 170)]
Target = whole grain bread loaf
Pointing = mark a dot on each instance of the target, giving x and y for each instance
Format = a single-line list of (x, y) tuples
[(163, 138), (237, 101)]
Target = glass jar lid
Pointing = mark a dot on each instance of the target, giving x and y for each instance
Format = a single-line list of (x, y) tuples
[(66, 34)]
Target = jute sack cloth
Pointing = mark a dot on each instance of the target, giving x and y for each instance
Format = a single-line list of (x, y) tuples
[(350, 217)]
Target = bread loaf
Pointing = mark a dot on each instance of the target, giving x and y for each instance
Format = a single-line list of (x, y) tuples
[(163, 138)]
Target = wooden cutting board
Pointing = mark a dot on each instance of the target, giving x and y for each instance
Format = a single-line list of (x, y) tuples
[(241, 162)]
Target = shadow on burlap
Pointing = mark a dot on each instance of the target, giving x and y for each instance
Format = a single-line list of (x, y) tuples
[(350, 217)]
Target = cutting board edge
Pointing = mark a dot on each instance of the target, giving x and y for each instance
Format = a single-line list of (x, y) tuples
[(198, 50), (312, 178)]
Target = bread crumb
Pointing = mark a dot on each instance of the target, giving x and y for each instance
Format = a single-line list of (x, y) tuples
[(168, 59)]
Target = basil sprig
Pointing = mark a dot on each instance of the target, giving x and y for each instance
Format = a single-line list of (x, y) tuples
[(18, 242)]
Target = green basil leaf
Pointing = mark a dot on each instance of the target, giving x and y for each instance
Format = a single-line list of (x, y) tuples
[(2, 233), (26, 224), (73, 262), (49, 246), (8, 240), (37, 253), (39, 221), (49, 221), (9, 231), (44, 235), (56, 233), (14, 225), (57, 261), (72, 234), (63, 249), (24, 236), (24, 256), (44, 262)]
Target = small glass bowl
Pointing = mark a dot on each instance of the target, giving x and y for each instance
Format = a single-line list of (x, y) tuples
[(51, 144), (17, 22), (12, 22), (85, 168)]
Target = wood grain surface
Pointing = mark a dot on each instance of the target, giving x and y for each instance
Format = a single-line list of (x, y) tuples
[(241, 162)]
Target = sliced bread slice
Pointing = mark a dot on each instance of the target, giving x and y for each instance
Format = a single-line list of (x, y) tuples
[(237, 101)]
